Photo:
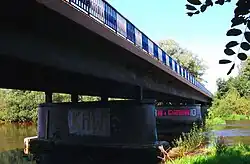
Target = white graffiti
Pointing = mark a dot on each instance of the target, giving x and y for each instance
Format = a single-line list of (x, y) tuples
[(89, 122)]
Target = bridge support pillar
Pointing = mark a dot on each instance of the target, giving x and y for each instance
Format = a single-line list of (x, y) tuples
[(74, 98), (48, 97), (104, 98), (129, 124), (139, 93)]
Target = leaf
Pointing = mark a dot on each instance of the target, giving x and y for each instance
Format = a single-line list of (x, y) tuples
[(242, 3), (190, 7), (209, 3), (229, 52), (197, 12), (203, 8), (247, 36), (224, 61), (242, 56), (241, 10), (234, 32), (190, 14), (230, 70), (231, 44), (248, 24), (220, 2), (194, 2), (237, 21), (245, 46)]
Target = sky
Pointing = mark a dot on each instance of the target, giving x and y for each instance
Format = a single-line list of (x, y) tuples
[(203, 34)]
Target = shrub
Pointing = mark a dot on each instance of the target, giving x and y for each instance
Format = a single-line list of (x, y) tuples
[(190, 141), (230, 106)]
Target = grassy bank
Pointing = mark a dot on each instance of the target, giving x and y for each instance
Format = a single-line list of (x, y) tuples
[(239, 154), (216, 120), (192, 148), (14, 157)]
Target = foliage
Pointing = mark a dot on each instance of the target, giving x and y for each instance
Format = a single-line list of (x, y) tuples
[(187, 59), (241, 17), (230, 104), (14, 156), (189, 141), (239, 154), (21, 106), (231, 101), (241, 82)]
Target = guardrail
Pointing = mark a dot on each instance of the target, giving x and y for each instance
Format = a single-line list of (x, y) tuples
[(106, 14)]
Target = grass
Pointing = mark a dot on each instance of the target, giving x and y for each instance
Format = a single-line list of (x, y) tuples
[(190, 149), (239, 154), (188, 142), (14, 157)]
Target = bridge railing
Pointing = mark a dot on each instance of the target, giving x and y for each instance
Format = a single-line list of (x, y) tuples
[(106, 14)]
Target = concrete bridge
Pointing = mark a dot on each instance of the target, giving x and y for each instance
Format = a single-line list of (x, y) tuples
[(86, 47)]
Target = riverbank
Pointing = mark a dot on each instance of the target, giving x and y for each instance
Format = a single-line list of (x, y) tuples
[(199, 146), (239, 154), (211, 122)]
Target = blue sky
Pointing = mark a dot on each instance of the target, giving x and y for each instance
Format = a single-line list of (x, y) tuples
[(203, 34)]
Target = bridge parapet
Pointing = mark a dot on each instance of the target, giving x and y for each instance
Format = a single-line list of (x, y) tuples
[(104, 13)]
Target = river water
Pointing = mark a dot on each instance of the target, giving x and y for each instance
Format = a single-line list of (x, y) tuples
[(12, 135)]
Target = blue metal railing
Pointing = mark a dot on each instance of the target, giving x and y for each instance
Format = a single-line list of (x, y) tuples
[(109, 16)]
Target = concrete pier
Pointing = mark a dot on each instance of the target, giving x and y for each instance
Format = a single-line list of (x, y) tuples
[(121, 130)]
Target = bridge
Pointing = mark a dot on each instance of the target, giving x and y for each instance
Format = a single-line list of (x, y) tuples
[(86, 47), (54, 45)]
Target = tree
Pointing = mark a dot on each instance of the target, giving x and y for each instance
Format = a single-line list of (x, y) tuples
[(186, 58), (222, 87), (21, 105), (241, 17), (241, 82)]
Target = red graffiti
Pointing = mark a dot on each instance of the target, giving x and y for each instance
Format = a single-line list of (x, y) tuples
[(173, 112)]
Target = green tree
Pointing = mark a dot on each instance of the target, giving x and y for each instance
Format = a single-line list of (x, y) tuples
[(21, 106), (222, 87), (241, 82), (186, 58), (232, 103)]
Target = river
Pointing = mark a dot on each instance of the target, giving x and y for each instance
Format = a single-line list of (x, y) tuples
[(12, 135)]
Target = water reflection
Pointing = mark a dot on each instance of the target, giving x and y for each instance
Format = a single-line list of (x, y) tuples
[(11, 143), (234, 131), (12, 135)]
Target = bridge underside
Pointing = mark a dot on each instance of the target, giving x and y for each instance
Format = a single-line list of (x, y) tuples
[(43, 50)]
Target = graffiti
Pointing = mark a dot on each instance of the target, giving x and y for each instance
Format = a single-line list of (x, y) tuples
[(176, 112), (89, 122)]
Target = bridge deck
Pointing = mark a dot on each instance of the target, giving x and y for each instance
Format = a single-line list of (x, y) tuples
[(110, 18), (61, 55)]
